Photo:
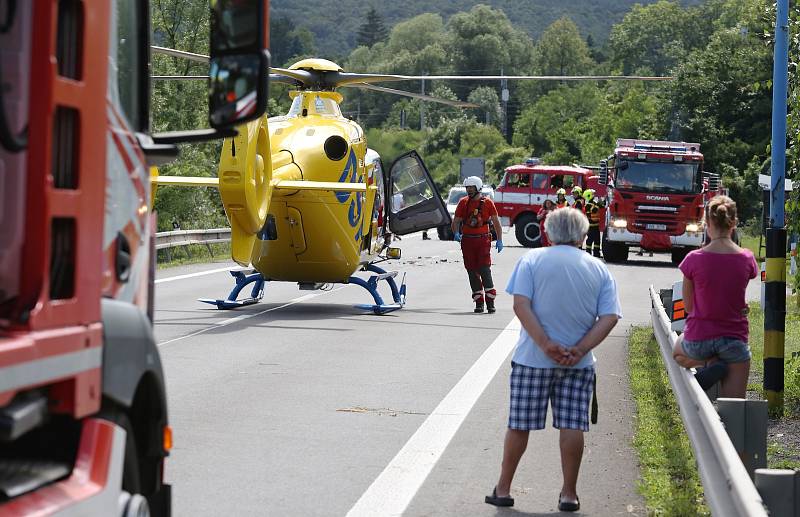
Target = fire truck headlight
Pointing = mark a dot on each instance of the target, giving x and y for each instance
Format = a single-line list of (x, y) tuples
[(693, 227), (619, 223)]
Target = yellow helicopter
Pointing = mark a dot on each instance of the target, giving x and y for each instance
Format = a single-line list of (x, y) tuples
[(308, 202)]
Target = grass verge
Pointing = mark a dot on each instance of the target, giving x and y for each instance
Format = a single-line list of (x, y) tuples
[(783, 433), (193, 254), (669, 482)]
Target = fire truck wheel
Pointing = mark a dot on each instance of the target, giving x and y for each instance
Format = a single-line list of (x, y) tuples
[(131, 479), (528, 232)]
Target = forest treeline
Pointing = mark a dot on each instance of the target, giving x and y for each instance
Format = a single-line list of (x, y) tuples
[(719, 54)]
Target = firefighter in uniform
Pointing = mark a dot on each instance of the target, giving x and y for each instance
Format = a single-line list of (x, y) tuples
[(473, 214), (577, 194), (592, 211), (561, 198)]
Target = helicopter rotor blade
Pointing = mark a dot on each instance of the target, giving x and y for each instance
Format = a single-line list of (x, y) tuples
[(524, 78), (178, 77), (200, 58), (301, 76), (457, 104)]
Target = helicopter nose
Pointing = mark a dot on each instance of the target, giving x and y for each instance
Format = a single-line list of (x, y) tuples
[(335, 148)]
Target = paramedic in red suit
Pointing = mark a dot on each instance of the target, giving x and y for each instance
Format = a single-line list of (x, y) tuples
[(471, 226)]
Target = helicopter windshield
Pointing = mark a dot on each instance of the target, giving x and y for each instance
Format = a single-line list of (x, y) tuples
[(321, 106)]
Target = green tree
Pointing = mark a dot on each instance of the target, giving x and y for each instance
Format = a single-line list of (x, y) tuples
[(288, 41), (182, 105), (562, 51), (484, 40), (372, 30), (650, 38), (489, 112)]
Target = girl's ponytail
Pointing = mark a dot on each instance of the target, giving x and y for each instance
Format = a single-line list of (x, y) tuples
[(722, 211)]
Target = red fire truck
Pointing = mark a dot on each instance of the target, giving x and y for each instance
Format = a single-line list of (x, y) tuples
[(83, 413), (525, 187), (655, 198)]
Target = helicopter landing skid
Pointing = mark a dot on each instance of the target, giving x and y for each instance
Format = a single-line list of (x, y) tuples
[(371, 285), (242, 281)]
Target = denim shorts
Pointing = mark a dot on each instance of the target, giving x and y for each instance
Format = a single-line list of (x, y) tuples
[(728, 349)]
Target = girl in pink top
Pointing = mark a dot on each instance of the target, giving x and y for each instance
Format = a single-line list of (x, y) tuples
[(715, 278)]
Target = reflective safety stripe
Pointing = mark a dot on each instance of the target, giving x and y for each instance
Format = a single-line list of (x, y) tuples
[(54, 367)]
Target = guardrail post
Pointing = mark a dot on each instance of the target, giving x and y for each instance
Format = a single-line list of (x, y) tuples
[(777, 489), (746, 424), (755, 437)]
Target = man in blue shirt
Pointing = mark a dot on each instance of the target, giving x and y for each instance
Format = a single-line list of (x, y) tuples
[(566, 301)]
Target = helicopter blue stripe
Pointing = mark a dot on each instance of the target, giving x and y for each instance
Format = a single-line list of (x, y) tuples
[(350, 169)]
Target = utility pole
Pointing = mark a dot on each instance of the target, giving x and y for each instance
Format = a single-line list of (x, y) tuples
[(504, 98), (775, 284), (422, 106)]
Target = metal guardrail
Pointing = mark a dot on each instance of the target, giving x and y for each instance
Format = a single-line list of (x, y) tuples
[(184, 237), (729, 491)]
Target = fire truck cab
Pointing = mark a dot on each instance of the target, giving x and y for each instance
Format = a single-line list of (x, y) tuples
[(83, 408), (525, 187), (655, 198)]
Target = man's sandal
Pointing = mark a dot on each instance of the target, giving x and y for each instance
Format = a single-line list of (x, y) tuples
[(568, 506), (498, 500)]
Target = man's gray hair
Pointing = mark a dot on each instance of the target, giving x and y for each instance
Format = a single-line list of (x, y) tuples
[(566, 226)]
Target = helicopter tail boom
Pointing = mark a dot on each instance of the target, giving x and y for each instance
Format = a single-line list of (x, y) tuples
[(185, 181), (320, 186)]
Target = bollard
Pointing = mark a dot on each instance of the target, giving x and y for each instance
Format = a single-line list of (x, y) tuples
[(776, 487), (746, 424)]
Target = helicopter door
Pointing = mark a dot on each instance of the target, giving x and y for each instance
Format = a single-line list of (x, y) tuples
[(414, 203)]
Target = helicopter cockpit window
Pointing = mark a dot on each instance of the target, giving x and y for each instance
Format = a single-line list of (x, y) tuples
[(297, 105), (319, 106)]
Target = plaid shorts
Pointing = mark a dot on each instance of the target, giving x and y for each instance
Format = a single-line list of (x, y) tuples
[(569, 391)]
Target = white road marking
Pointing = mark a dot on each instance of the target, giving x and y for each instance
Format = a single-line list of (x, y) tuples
[(243, 317), (201, 273), (396, 486)]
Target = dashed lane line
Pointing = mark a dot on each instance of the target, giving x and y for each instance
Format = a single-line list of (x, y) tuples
[(396, 486)]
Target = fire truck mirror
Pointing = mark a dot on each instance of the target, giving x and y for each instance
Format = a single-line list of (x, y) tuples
[(239, 69)]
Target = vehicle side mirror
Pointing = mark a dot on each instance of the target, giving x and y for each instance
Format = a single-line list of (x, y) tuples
[(239, 72), (603, 179)]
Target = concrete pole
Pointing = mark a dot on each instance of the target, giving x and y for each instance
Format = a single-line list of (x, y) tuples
[(775, 286), (422, 107)]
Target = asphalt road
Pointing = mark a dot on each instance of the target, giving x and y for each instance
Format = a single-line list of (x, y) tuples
[(303, 405)]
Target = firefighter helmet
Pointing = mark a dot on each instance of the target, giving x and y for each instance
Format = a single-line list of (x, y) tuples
[(561, 192), (474, 181), (588, 195), (577, 191)]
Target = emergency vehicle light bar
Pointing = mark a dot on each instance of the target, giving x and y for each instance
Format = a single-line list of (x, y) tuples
[(646, 147)]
